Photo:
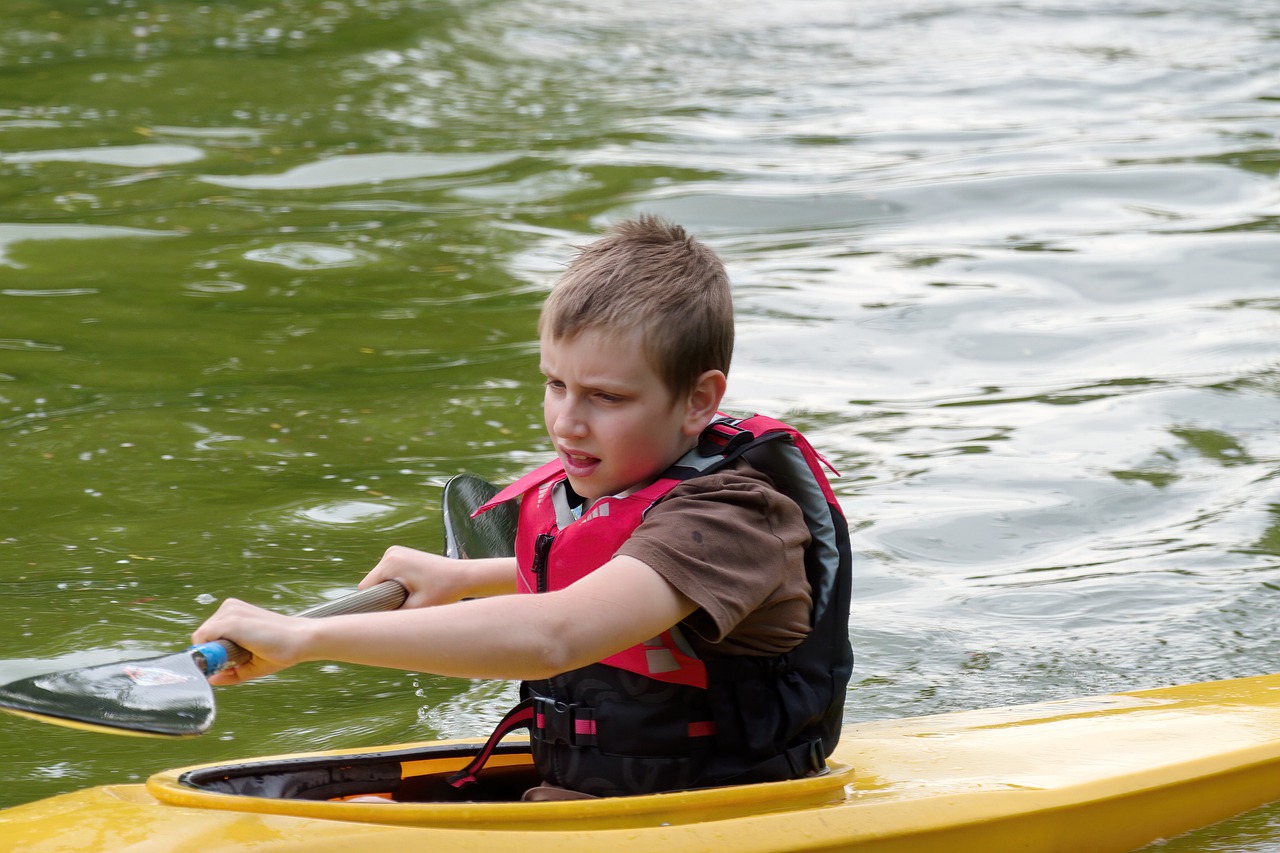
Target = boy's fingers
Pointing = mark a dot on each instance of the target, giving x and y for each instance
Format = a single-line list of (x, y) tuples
[(206, 634), (379, 573), (225, 678)]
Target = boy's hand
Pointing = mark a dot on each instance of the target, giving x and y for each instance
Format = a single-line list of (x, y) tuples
[(276, 642), (432, 579)]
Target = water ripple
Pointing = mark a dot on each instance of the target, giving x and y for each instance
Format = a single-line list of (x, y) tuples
[(357, 169), (133, 156), (310, 256)]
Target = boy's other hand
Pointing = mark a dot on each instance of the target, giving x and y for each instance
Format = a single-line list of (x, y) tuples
[(276, 642), (432, 579)]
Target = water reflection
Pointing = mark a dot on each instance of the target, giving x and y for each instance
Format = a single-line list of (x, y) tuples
[(344, 512), (310, 256), (136, 156), (358, 169)]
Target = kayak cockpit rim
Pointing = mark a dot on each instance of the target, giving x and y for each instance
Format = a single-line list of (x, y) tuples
[(320, 785)]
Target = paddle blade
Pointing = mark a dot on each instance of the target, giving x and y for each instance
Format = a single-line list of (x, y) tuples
[(491, 534), (161, 697)]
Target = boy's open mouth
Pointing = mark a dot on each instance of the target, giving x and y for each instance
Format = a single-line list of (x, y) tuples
[(578, 464)]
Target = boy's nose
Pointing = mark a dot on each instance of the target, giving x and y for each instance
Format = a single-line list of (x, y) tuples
[(567, 423)]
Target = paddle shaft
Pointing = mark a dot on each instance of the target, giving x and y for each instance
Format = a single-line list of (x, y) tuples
[(216, 656)]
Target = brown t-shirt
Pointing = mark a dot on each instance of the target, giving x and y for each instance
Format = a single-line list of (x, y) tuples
[(734, 545)]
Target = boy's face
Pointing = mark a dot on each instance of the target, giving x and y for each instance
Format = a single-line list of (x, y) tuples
[(613, 421)]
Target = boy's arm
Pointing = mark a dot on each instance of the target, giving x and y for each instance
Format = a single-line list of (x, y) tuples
[(510, 636)]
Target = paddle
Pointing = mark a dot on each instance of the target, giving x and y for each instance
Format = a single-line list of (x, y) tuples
[(166, 696), (492, 534), (170, 696)]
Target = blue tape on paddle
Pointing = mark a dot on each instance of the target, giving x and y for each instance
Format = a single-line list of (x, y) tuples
[(214, 656)]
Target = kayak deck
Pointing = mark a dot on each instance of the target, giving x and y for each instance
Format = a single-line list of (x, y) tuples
[(1105, 773)]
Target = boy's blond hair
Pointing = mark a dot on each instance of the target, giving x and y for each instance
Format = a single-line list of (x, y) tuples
[(649, 275)]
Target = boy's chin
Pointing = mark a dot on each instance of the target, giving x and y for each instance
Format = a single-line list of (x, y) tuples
[(584, 489)]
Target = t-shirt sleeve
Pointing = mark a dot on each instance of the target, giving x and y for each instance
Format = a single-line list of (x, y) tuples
[(735, 546)]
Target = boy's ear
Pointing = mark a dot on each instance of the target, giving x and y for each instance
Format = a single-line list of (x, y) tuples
[(704, 401)]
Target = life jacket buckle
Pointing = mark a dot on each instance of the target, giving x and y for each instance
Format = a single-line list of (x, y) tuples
[(563, 722), (722, 438), (815, 762)]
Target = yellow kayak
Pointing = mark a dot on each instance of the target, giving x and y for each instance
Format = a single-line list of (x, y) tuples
[(1104, 773)]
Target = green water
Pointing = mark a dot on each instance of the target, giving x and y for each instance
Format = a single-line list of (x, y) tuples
[(269, 274), (211, 389)]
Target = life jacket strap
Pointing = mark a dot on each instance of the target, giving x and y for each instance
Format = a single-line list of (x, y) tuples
[(519, 717), (561, 722), (802, 760), (550, 721), (723, 438)]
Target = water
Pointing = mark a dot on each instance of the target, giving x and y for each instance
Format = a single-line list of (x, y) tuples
[(269, 275)]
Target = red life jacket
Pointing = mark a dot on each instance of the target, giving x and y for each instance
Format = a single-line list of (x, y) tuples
[(654, 716), (583, 546)]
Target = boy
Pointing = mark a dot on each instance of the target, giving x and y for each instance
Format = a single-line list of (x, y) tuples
[(689, 626)]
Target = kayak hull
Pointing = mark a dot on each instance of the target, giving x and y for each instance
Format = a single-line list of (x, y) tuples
[(1104, 773)]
